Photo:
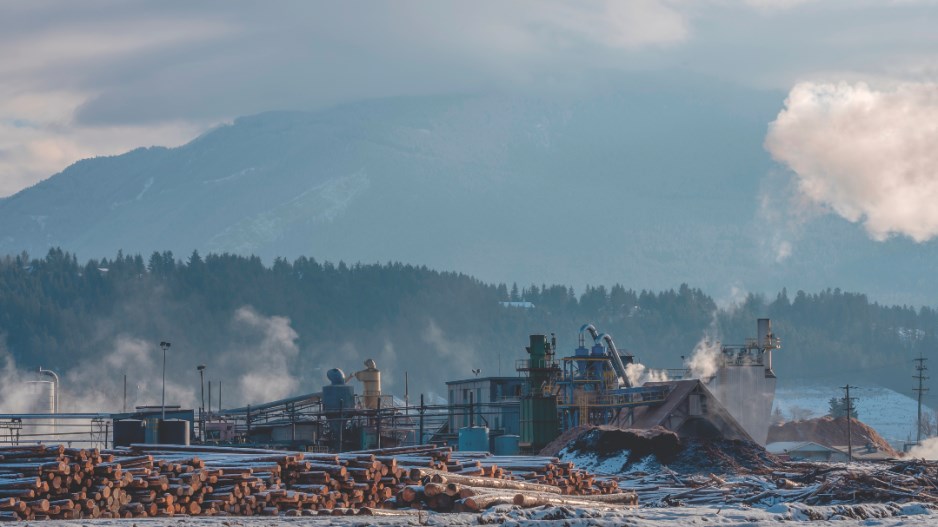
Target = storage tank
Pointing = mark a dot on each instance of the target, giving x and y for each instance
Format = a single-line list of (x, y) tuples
[(474, 439), (42, 394), (507, 445), (129, 431), (338, 395), (174, 432), (152, 430), (337, 398)]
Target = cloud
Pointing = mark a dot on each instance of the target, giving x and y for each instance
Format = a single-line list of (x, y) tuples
[(866, 154), (105, 76), (108, 76)]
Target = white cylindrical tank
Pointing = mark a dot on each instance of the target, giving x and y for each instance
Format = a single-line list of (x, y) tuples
[(42, 401), (42, 397)]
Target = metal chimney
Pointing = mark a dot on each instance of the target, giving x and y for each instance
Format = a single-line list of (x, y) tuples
[(764, 332)]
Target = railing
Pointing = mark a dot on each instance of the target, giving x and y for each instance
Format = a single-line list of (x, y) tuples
[(534, 365)]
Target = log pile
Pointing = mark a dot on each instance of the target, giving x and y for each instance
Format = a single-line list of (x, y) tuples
[(52, 482)]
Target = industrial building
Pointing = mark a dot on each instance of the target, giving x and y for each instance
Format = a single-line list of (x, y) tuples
[(552, 392), (495, 403)]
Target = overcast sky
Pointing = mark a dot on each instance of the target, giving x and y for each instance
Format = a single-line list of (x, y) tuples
[(96, 77)]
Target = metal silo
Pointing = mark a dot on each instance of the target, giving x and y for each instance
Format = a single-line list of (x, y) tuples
[(337, 398), (43, 396)]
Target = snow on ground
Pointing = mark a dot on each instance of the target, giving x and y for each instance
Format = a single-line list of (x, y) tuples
[(890, 413), (885, 515)]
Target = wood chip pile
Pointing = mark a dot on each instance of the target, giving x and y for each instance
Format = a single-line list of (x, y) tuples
[(53, 482), (808, 483)]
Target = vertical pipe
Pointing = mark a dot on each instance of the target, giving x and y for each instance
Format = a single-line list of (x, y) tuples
[(378, 418), (209, 397), (420, 439), (471, 411), (125, 393), (219, 396), (341, 424), (163, 400), (202, 407)]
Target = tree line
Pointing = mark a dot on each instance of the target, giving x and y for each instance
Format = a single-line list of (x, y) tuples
[(56, 311)]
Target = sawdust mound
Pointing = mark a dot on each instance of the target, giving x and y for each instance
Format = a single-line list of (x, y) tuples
[(829, 431), (608, 441), (658, 446)]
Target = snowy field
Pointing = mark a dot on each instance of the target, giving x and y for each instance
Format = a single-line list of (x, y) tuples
[(890, 413), (887, 515)]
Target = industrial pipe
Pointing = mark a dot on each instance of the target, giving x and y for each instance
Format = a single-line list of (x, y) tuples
[(611, 349), (55, 388), (592, 331), (617, 363)]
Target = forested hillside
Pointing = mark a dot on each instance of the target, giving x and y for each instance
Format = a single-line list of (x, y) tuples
[(290, 321)]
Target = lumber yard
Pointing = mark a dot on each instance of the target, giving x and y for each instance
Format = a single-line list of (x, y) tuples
[(593, 429)]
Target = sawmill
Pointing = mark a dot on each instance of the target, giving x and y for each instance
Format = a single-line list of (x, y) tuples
[(551, 392)]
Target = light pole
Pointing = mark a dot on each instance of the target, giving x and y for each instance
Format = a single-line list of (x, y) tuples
[(164, 345), (201, 368)]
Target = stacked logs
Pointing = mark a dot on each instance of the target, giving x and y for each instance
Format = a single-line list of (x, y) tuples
[(52, 482)]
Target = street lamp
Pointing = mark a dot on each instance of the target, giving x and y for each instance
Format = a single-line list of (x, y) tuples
[(201, 368), (164, 345)]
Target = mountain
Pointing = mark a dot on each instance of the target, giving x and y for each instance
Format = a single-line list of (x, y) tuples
[(648, 182)]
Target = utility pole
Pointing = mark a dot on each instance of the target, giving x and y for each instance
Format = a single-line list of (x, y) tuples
[(164, 345), (920, 376), (849, 403), (201, 368)]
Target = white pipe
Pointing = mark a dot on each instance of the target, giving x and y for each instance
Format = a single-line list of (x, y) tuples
[(55, 388)]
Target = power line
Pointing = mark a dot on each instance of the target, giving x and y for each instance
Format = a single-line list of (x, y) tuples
[(849, 404), (920, 369)]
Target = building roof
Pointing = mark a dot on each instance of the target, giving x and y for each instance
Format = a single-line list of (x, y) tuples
[(862, 453), (660, 415), (489, 379)]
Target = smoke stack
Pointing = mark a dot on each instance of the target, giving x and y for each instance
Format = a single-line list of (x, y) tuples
[(764, 332)]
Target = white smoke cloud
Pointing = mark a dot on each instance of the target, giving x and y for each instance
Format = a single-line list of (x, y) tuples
[(867, 154), (14, 395), (705, 359), (260, 365), (460, 357), (639, 374), (264, 368), (927, 450)]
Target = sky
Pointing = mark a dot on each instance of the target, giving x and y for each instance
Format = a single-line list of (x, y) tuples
[(97, 77)]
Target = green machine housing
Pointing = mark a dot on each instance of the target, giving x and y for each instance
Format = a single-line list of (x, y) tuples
[(540, 423)]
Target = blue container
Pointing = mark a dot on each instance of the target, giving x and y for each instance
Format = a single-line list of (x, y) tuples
[(507, 445), (152, 430), (129, 431), (337, 396), (475, 439), (174, 432)]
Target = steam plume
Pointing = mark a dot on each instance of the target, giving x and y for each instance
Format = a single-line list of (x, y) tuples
[(704, 361), (639, 374), (869, 155), (927, 450), (264, 366)]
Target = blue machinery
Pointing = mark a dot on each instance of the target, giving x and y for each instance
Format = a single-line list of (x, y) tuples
[(594, 385)]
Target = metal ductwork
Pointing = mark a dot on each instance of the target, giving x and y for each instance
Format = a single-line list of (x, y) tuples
[(611, 350), (617, 363)]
